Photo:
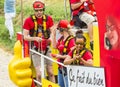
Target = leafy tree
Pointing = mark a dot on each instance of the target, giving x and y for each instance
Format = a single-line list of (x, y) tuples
[(1, 6)]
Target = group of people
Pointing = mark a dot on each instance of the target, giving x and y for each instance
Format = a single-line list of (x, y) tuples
[(72, 50), (40, 30)]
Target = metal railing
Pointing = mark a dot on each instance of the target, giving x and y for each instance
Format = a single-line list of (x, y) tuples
[(42, 64)]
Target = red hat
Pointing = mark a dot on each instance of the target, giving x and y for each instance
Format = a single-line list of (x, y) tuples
[(63, 24), (38, 4)]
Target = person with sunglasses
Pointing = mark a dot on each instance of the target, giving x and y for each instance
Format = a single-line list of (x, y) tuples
[(79, 55), (37, 28), (64, 44), (112, 40)]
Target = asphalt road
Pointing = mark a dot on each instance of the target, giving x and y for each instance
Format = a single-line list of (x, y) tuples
[(4, 77)]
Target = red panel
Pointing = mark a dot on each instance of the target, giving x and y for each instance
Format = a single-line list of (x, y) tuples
[(110, 59), (25, 44), (19, 36)]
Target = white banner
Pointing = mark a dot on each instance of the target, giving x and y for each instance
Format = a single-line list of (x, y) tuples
[(81, 76)]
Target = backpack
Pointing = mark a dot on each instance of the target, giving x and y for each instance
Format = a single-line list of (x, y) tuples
[(35, 31)]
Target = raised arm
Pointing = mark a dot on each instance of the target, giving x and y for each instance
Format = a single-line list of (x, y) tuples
[(53, 35)]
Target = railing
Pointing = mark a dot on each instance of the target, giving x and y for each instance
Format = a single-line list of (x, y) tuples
[(42, 64), (48, 58)]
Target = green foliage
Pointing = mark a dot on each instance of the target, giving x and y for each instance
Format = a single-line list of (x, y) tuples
[(5, 42), (1, 3), (1, 6), (57, 11), (54, 8)]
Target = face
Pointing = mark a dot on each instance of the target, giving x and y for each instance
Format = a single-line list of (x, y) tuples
[(79, 43), (38, 12), (111, 33), (61, 30)]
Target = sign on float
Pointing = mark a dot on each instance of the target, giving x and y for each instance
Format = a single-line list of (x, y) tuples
[(81, 76)]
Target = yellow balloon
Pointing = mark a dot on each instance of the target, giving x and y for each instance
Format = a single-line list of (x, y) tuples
[(19, 68)]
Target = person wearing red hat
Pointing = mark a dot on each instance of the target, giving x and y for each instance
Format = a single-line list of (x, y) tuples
[(64, 45), (37, 29)]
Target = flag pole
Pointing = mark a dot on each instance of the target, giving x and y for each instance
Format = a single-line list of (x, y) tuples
[(65, 7)]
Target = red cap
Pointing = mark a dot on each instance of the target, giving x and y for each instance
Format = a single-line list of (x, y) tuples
[(63, 24), (38, 4)]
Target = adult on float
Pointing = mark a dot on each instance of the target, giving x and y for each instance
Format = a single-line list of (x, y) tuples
[(83, 10), (64, 45), (37, 28), (80, 55)]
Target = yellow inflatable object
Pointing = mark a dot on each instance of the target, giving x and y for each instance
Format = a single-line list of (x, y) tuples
[(19, 70)]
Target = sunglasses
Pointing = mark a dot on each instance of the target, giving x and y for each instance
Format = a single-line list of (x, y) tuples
[(36, 10), (111, 28), (60, 29), (79, 43)]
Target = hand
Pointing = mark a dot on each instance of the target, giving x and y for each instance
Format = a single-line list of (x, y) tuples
[(77, 57), (54, 29), (55, 26), (58, 56), (19, 70), (53, 55), (38, 39)]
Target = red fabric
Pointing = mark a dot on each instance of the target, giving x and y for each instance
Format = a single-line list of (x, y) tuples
[(26, 48), (33, 84), (61, 43), (86, 56), (20, 37), (76, 11), (91, 8), (109, 59), (29, 24)]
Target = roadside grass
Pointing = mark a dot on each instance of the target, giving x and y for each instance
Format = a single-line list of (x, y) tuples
[(54, 8)]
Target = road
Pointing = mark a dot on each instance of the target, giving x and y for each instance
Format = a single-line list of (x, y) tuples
[(5, 81)]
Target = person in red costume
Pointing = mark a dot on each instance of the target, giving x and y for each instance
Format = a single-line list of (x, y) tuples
[(79, 55), (64, 45), (37, 29), (84, 11)]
